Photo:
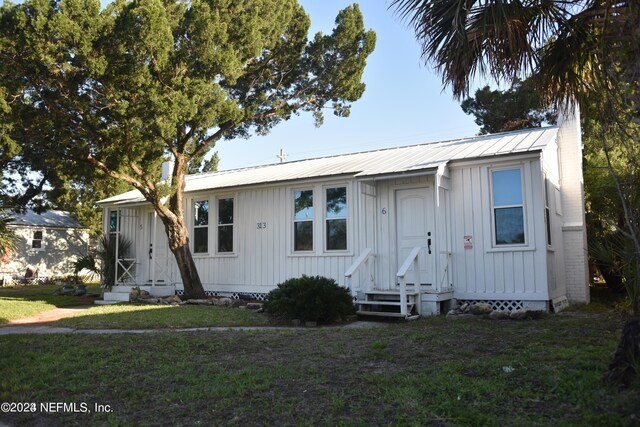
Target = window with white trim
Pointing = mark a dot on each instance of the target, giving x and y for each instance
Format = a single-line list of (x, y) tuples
[(336, 219), (303, 221), (547, 211), (225, 225), (37, 242), (200, 226), (114, 222), (508, 207)]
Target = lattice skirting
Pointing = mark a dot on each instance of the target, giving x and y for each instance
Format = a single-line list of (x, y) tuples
[(233, 295), (499, 305)]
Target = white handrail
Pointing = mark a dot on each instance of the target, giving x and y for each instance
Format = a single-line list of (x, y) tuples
[(407, 262), (364, 256), (402, 281)]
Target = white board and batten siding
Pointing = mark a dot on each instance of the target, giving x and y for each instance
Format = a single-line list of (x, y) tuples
[(481, 269), (453, 180), (263, 254)]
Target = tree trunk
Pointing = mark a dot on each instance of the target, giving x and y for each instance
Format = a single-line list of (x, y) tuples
[(179, 245), (626, 361), (189, 273)]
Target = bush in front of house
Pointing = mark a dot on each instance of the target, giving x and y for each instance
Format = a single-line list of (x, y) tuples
[(310, 298)]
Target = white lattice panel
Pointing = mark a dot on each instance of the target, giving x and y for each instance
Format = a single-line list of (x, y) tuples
[(499, 305)]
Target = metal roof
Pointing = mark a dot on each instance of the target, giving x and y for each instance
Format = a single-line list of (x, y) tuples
[(48, 219), (368, 164)]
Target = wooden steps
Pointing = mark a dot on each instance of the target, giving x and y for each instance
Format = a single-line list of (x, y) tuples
[(386, 303)]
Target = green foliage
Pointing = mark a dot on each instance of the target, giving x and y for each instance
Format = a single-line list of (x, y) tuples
[(519, 107), (310, 298), (103, 261), (611, 178), (7, 235), (119, 89), (567, 47)]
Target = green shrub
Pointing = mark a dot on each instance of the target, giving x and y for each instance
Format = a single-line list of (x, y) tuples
[(310, 299)]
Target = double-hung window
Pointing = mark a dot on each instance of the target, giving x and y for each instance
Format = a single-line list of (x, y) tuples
[(225, 225), (508, 207), (201, 226), (37, 243), (336, 218), (303, 221)]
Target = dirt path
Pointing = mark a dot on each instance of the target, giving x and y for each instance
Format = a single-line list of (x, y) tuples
[(49, 316)]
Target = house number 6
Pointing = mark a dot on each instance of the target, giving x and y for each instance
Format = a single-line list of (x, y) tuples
[(384, 211)]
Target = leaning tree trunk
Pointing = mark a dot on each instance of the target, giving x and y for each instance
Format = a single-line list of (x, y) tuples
[(189, 273), (179, 245)]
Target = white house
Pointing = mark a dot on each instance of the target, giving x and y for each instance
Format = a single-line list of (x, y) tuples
[(497, 218), (49, 242)]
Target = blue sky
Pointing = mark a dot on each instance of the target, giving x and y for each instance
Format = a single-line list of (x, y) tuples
[(403, 104)]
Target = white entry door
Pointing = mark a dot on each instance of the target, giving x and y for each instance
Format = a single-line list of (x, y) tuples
[(415, 228), (157, 250)]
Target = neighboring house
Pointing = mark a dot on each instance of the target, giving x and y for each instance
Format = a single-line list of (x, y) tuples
[(49, 242), (496, 218)]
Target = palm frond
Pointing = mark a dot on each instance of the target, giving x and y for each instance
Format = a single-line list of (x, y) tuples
[(559, 42)]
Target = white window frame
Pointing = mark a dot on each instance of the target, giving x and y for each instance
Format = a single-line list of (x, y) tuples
[(195, 200), (326, 219), (294, 221), (523, 206), (115, 232), (233, 224), (548, 232), (33, 239)]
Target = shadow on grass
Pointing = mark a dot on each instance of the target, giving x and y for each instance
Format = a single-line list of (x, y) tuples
[(23, 301), (133, 316)]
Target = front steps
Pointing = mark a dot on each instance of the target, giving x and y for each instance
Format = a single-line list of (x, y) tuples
[(120, 294), (387, 304)]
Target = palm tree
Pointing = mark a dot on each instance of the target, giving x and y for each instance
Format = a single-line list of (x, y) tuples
[(565, 45), (103, 261)]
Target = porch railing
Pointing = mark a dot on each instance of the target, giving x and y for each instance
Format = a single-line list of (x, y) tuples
[(125, 270), (359, 262), (412, 260)]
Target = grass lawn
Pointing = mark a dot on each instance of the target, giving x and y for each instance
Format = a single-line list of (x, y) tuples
[(22, 301), (433, 371), (130, 316)]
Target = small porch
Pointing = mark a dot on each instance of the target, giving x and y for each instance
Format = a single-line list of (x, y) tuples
[(146, 263), (405, 300)]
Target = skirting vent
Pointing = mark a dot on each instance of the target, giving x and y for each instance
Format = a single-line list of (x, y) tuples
[(499, 305)]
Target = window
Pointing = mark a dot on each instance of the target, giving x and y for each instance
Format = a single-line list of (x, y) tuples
[(547, 217), (114, 223), (225, 225), (336, 218), (303, 220), (508, 207), (201, 226), (37, 241)]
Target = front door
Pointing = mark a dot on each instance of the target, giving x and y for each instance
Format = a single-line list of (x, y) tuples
[(158, 248), (414, 228)]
